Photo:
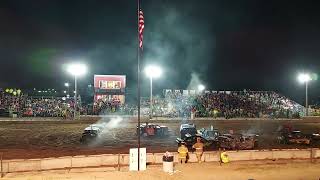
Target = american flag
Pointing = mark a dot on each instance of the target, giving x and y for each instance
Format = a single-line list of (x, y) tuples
[(141, 28)]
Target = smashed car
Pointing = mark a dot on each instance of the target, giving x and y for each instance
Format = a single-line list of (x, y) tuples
[(237, 141), (90, 133), (187, 129), (190, 140), (209, 134), (150, 130), (293, 137)]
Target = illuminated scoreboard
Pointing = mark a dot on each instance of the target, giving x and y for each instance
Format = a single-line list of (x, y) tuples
[(110, 88)]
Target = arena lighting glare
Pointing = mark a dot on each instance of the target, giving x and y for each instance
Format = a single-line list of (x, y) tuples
[(152, 71), (76, 70), (201, 87), (66, 84), (305, 78)]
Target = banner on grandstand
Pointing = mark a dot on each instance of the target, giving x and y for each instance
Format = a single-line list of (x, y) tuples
[(185, 92), (192, 92), (109, 82)]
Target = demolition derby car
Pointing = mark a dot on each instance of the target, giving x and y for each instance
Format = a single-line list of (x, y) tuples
[(213, 138), (237, 141), (316, 136), (189, 135), (90, 133), (190, 140), (150, 130), (209, 134), (187, 129), (294, 137)]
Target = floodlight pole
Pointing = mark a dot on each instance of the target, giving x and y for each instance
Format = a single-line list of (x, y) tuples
[(75, 97), (151, 101), (307, 108)]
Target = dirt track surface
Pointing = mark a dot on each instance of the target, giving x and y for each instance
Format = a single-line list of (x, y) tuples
[(204, 171), (38, 139)]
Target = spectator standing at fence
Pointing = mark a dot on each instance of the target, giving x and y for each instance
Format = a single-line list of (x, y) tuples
[(199, 149), (183, 153)]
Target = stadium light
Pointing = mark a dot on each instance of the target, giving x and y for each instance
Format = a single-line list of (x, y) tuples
[(76, 70), (305, 78), (152, 71), (201, 87)]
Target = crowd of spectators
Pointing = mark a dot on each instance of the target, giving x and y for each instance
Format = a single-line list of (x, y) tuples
[(47, 107), (114, 106), (226, 104), (244, 104), (10, 102)]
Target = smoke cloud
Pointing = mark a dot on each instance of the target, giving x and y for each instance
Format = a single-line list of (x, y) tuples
[(107, 125), (178, 42), (194, 82)]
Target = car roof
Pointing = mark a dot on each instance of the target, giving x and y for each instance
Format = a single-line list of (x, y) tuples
[(187, 126), (296, 131), (92, 128)]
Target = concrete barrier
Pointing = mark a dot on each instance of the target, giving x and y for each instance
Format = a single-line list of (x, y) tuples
[(291, 154), (24, 165), (152, 158), (56, 163), (239, 155), (261, 155), (5, 166), (124, 159), (316, 153), (212, 156), (301, 154), (109, 159), (86, 161), (158, 158)]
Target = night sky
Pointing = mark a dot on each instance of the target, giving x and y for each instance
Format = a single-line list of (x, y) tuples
[(227, 45)]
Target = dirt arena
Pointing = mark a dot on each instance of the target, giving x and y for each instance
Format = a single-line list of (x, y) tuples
[(37, 139), (203, 171)]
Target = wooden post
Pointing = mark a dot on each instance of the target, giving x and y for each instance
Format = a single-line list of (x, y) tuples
[(219, 156), (1, 176), (118, 162), (312, 154)]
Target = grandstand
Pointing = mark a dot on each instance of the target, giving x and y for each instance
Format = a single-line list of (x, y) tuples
[(214, 104), (227, 104)]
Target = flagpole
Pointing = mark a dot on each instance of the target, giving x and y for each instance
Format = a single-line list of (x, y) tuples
[(138, 87)]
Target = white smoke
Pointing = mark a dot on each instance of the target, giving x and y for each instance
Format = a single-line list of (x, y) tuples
[(107, 125), (194, 82), (114, 122)]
